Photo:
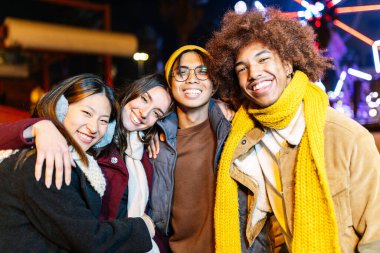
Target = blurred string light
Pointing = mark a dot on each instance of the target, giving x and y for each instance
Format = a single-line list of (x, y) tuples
[(329, 12), (339, 85), (373, 102), (353, 32), (360, 74), (374, 7), (140, 56), (259, 6), (318, 10), (240, 7), (373, 99), (333, 2), (372, 112), (375, 52)]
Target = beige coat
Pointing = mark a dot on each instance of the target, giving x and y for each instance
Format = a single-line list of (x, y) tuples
[(353, 170)]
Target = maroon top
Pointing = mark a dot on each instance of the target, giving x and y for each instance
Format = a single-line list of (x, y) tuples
[(116, 174), (11, 134)]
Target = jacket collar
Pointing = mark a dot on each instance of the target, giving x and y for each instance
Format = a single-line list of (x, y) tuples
[(170, 124)]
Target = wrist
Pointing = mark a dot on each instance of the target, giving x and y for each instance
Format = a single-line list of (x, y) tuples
[(39, 127), (28, 133)]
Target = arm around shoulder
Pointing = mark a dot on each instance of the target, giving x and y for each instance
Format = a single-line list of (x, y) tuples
[(12, 134)]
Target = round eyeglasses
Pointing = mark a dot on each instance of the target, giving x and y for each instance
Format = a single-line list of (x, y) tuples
[(182, 73)]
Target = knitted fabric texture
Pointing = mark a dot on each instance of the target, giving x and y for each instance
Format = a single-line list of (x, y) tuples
[(173, 57), (315, 228)]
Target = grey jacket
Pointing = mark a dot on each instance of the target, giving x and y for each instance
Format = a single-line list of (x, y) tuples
[(164, 164)]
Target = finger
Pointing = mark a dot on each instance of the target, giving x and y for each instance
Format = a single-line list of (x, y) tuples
[(38, 166), (67, 160), (58, 161), (149, 152), (156, 144), (49, 170), (152, 147), (162, 137)]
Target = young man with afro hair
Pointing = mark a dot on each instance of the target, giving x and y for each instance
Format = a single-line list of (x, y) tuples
[(312, 175)]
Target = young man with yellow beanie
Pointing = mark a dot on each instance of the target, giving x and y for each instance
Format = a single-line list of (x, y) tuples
[(183, 192), (312, 174)]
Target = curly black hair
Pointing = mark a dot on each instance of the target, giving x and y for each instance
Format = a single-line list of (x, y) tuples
[(291, 40)]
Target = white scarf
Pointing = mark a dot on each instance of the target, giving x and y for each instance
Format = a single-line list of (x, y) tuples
[(92, 172), (138, 190)]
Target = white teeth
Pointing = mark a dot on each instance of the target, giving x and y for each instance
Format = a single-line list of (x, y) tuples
[(261, 85), (192, 91), (85, 137), (135, 119)]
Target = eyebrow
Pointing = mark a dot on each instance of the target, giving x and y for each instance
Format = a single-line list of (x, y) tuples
[(150, 98), (256, 55)]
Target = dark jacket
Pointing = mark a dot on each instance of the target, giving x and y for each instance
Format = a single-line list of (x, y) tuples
[(115, 198), (36, 219), (164, 164)]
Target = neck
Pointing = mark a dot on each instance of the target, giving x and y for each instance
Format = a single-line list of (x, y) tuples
[(189, 117)]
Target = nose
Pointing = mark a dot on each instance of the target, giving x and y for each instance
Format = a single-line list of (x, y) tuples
[(144, 112), (192, 77), (255, 72), (92, 126)]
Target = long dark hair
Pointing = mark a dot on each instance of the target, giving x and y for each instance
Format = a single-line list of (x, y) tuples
[(131, 91), (74, 89)]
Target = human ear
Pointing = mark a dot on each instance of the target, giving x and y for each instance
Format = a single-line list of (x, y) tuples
[(288, 69)]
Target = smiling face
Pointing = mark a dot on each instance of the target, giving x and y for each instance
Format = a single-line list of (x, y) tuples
[(144, 111), (192, 93), (261, 73), (87, 120)]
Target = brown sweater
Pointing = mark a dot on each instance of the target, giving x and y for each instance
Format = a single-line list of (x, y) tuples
[(194, 189)]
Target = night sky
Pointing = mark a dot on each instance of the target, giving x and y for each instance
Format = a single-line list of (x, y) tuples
[(164, 25)]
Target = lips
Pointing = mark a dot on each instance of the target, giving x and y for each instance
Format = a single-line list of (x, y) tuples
[(260, 85), (135, 119), (85, 137), (192, 92)]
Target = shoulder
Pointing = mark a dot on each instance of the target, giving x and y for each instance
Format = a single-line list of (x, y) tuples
[(218, 121), (169, 125), (345, 126), (343, 133), (215, 113)]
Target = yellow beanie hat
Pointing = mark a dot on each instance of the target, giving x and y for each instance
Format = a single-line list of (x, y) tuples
[(169, 64)]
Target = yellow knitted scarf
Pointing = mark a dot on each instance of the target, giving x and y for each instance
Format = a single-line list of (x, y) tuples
[(315, 228)]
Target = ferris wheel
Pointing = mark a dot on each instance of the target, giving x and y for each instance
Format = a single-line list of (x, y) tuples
[(317, 12)]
